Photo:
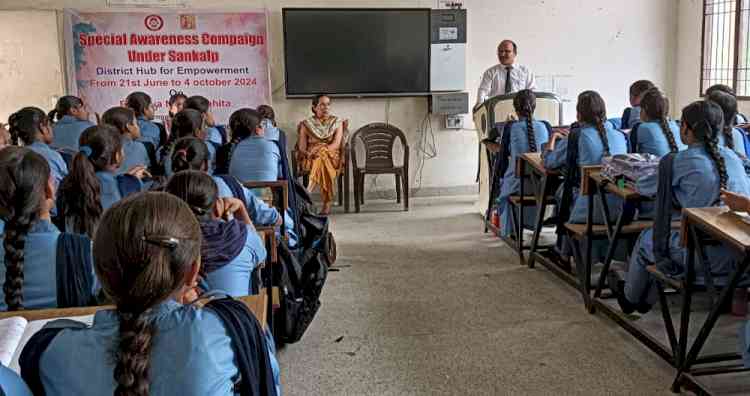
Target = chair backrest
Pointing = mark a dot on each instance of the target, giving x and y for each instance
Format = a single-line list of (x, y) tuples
[(378, 140)]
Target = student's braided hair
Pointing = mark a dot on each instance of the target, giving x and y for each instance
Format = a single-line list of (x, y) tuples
[(63, 107), (190, 153), (705, 118), (24, 174), (144, 249), (525, 103), (728, 104), (656, 107), (139, 102), (186, 123), (593, 111), (80, 191), (243, 123), (25, 124)]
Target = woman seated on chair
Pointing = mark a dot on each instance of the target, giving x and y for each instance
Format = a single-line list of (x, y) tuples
[(692, 178), (519, 137), (319, 149)]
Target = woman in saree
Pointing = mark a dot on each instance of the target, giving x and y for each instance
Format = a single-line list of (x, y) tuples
[(319, 149)]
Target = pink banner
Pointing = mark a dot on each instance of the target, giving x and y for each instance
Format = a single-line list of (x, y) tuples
[(222, 56)]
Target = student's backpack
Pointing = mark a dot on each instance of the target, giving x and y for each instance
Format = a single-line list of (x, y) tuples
[(300, 285)]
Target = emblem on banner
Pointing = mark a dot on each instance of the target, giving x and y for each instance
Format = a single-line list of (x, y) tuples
[(187, 22), (153, 22)]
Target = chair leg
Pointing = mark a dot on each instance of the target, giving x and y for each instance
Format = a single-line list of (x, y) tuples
[(405, 181), (398, 188), (362, 188), (357, 175)]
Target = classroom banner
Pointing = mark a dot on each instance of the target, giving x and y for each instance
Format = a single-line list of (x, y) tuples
[(222, 56)]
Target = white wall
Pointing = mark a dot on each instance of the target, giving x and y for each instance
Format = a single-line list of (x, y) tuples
[(603, 44)]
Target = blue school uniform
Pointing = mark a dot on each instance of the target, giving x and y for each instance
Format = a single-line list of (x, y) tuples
[(11, 383), (630, 117), (135, 154), (737, 139), (111, 188), (694, 183), (270, 131), (57, 164), (214, 136), (516, 137), (150, 133), (648, 138), (590, 152), (40, 267), (68, 131), (235, 277), (255, 159)]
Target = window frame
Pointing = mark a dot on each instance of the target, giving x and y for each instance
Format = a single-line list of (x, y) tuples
[(735, 61)]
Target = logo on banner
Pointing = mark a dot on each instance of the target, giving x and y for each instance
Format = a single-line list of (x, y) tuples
[(153, 22), (187, 22)]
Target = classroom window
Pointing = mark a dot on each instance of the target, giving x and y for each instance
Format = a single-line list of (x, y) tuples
[(726, 45)]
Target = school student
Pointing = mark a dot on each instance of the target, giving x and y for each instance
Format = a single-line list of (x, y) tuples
[(94, 184), (35, 256), (519, 137), (655, 134), (134, 152), (249, 156), (731, 137), (72, 119), (176, 104), (191, 153), (188, 122), (32, 127), (692, 178), (143, 108), (740, 118), (155, 341), (231, 249), (632, 114), (592, 140), (268, 122), (203, 105)]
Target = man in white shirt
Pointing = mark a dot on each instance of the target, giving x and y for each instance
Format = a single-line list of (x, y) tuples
[(506, 77)]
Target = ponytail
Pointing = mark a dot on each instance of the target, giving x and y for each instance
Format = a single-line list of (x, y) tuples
[(656, 107), (668, 134), (706, 119), (599, 123), (592, 110), (712, 147), (189, 153), (80, 195)]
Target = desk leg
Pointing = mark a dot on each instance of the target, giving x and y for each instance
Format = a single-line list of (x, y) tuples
[(541, 207), (626, 216), (713, 316)]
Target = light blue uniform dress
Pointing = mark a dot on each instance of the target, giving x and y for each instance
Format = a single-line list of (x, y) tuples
[(11, 383), (149, 132), (110, 188), (519, 144), (259, 211), (39, 267), (213, 135), (68, 130), (135, 154), (651, 139), (737, 139), (235, 277), (57, 164), (211, 161), (191, 354), (695, 184), (590, 152), (635, 116), (255, 159), (270, 131)]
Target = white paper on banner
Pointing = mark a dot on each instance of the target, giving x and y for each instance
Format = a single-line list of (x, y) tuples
[(222, 56)]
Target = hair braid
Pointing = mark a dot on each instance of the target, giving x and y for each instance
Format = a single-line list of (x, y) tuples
[(668, 134), (133, 354), (530, 135), (728, 138), (16, 230), (603, 136), (712, 147)]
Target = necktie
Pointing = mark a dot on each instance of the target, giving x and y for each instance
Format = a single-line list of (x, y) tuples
[(508, 87)]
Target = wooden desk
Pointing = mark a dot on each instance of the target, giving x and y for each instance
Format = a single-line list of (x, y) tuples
[(256, 304), (732, 231)]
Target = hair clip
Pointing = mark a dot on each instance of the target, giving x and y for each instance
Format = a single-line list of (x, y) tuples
[(162, 241), (86, 151)]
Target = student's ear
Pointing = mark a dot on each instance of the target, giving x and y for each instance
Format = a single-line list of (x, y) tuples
[(191, 277)]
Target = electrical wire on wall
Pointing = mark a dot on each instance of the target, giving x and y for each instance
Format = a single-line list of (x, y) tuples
[(426, 148)]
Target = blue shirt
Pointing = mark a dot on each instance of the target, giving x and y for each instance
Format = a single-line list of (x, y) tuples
[(12, 384), (213, 135), (110, 188), (150, 133), (635, 116), (651, 138), (191, 354), (39, 267), (255, 159), (235, 278), (135, 154), (270, 131), (68, 130), (57, 164), (737, 139)]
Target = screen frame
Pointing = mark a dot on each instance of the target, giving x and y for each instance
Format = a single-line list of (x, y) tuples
[(428, 32)]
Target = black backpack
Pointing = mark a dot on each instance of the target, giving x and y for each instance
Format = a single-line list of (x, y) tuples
[(300, 286)]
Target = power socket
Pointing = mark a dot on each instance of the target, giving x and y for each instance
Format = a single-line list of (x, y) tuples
[(455, 121)]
